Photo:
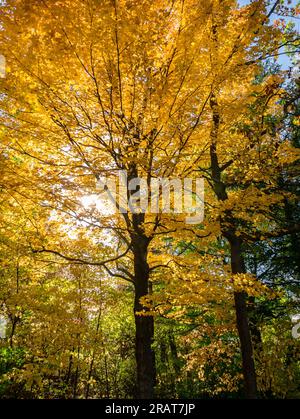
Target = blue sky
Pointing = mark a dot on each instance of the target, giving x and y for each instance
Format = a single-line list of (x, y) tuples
[(283, 59)]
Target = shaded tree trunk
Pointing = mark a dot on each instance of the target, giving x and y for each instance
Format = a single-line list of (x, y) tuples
[(174, 353), (254, 326), (240, 299), (144, 324)]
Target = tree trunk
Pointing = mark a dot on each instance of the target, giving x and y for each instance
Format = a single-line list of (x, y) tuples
[(174, 353), (254, 326), (144, 324), (237, 266), (237, 262)]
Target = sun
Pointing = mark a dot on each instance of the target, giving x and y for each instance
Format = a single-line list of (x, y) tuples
[(101, 203)]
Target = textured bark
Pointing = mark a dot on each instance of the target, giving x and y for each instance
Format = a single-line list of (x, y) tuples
[(144, 324), (240, 299), (174, 353), (254, 326)]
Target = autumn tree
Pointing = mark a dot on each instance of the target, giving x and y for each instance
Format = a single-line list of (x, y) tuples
[(246, 149), (154, 89)]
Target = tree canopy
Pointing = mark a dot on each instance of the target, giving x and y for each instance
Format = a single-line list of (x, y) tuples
[(106, 99)]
